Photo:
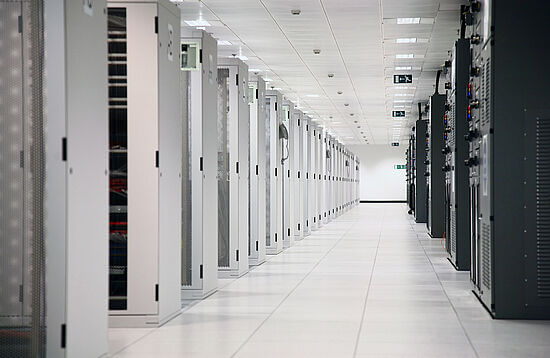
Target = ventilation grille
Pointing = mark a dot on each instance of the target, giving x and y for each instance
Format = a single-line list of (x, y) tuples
[(543, 207), (486, 255), (451, 123), (453, 231), (486, 93)]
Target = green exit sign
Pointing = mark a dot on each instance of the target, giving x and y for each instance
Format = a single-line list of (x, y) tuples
[(395, 144), (400, 166)]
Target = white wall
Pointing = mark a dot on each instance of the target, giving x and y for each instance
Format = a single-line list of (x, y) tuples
[(379, 179)]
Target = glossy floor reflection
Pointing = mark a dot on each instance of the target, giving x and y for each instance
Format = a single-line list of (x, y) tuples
[(369, 284)]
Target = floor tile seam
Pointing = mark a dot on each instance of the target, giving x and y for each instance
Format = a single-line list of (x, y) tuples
[(343, 235), (467, 336), (364, 311)]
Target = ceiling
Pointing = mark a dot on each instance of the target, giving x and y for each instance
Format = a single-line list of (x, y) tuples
[(358, 43)]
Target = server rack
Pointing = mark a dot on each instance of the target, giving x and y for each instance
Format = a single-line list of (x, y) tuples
[(200, 239), (435, 178), (145, 122), (288, 163), (311, 176), (457, 207), (329, 158), (69, 155), (410, 181), (306, 167), (420, 155), (297, 128), (274, 182), (233, 170), (509, 137), (257, 248)]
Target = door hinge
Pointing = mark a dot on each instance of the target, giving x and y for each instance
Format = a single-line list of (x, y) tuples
[(63, 335), (237, 255), (237, 167), (200, 271), (201, 164), (20, 23), (275, 106), (237, 80), (289, 173), (256, 93), (275, 171), (64, 149), (257, 169), (200, 55), (257, 247), (157, 292), (288, 231), (275, 237), (298, 175), (156, 24), (298, 226), (156, 158), (298, 122)]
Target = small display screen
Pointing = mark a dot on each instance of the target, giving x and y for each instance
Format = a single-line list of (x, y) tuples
[(402, 78)]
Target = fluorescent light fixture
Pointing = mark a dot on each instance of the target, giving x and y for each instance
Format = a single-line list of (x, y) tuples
[(199, 22), (277, 89), (402, 100), (408, 20), (242, 58), (405, 88), (201, 28), (312, 95), (402, 94), (406, 40), (401, 106), (404, 55), (254, 70), (403, 68), (224, 43), (268, 79)]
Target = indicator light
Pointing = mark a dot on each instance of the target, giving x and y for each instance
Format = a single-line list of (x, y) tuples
[(469, 113), (469, 90)]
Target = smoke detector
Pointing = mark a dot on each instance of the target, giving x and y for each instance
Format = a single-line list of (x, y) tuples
[(296, 12), (339, 92), (330, 75), (316, 51)]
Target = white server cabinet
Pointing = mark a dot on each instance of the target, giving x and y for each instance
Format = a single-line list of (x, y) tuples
[(200, 244), (69, 153), (339, 166), (288, 179), (145, 126), (306, 167), (317, 220), (257, 217), (312, 175), (329, 167), (274, 180), (357, 181), (296, 126), (233, 187), (323, 180)]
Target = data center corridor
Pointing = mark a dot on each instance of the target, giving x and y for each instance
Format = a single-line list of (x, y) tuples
[(369, 284)]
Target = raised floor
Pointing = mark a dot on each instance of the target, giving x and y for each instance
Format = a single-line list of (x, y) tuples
[(369, 284)]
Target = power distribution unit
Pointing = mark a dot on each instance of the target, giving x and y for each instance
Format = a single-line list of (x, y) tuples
[(509, 158), (457, 207), (435, 161), (419, 157), (288, 163), (200, 237), (274, 181), (233, 170), (257, 213), (145, 125)]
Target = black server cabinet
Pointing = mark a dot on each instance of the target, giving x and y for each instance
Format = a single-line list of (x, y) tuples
[(435, 178), (419, 172), (409, 176), (457, 206), (510, 157)]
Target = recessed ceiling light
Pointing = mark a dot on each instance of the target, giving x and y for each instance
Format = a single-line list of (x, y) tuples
[(254, 70), (242, 57), (197, 23), (404, 55), (408, 20), (403, 94), (402, 100), (268, 79), (224, 43), (312, 95), (406, 40), (403, 68)]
